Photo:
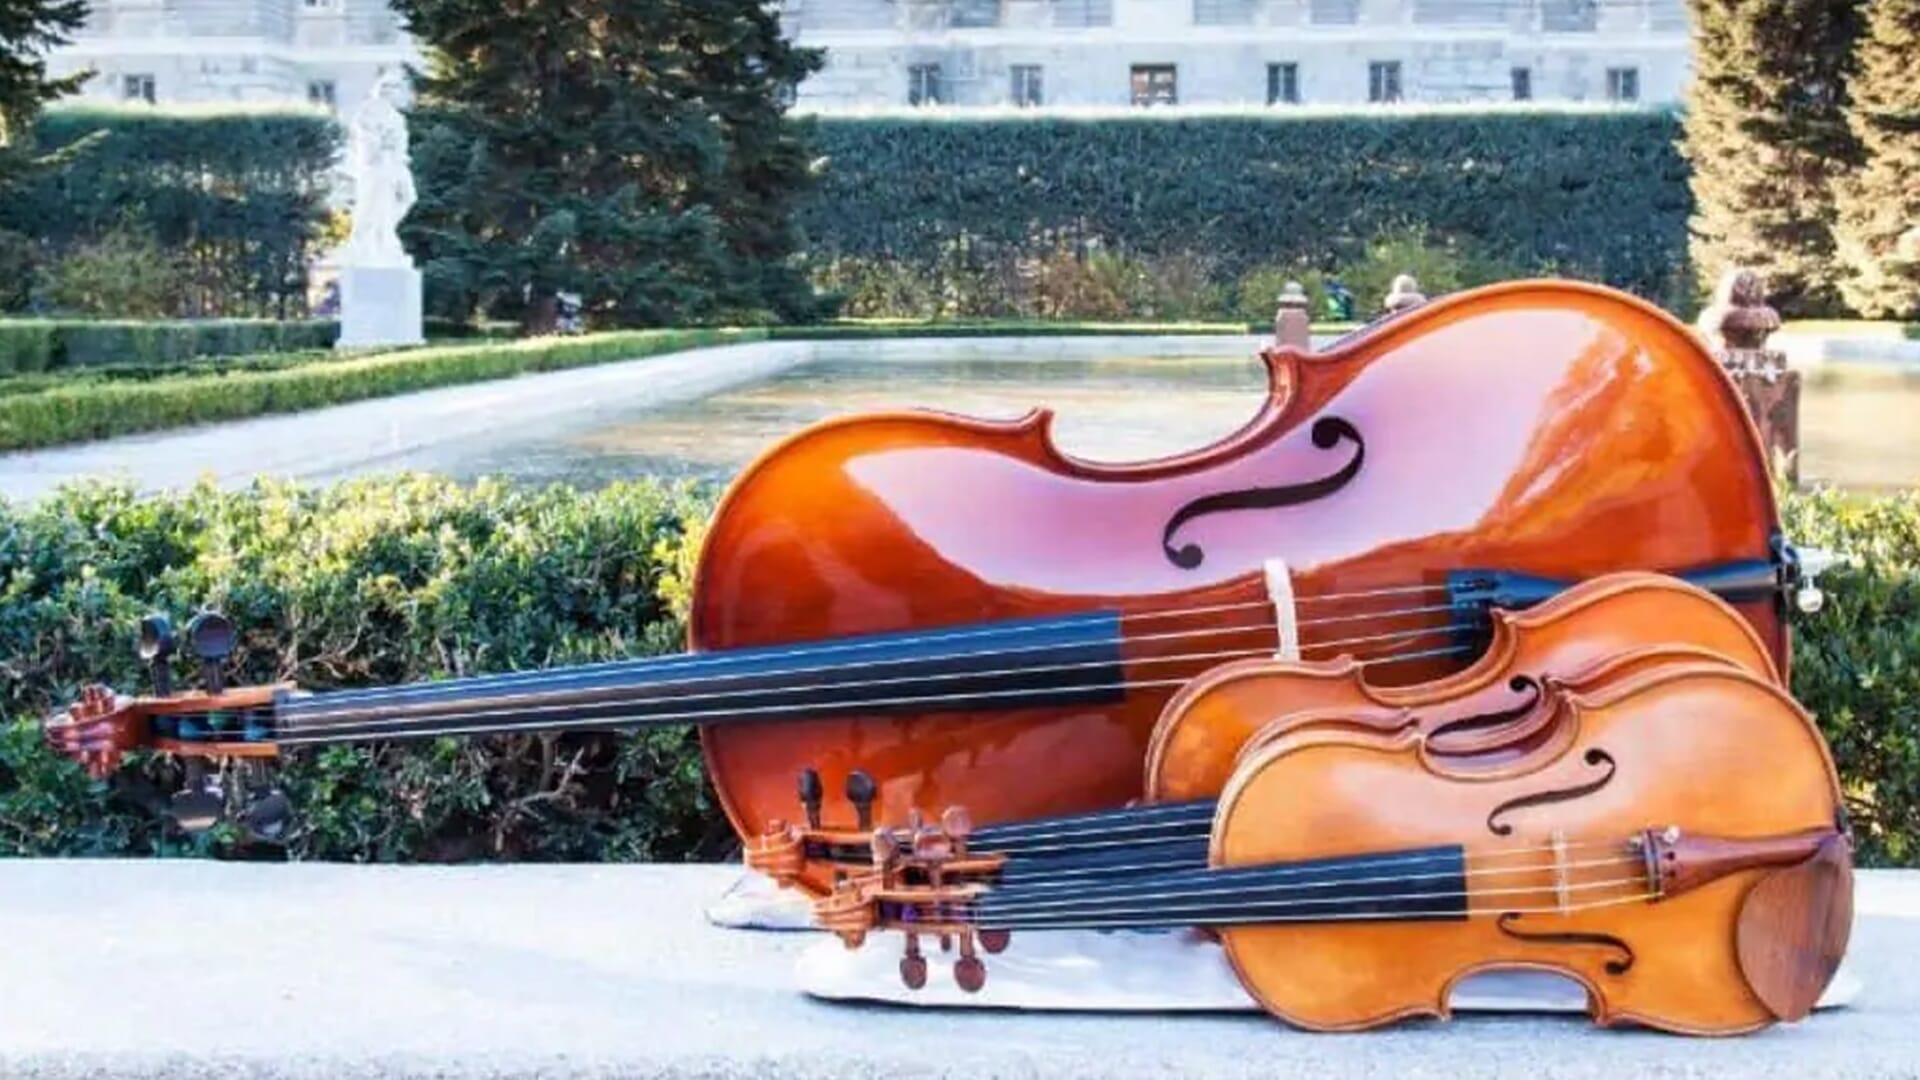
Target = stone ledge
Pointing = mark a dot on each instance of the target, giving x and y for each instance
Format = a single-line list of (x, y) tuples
[(186, 969)]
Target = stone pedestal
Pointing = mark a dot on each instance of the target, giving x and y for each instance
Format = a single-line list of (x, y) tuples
[(379, 305)]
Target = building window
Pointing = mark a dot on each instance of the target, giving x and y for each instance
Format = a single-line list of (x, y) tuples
[(923, 85), (1623, 84), (1383, 81), (1078, 13), (1027, 87), (137, 88), (1155, 84), (1523, 84), (1223, 12), (320, 92), (1283, 84), (320, 6)]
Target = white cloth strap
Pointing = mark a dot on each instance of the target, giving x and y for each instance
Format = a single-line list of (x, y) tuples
[(1286, 618)]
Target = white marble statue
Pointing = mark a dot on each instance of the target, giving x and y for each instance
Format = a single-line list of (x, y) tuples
[(382, 178)]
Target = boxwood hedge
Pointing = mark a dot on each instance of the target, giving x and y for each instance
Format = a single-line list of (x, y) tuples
[(381, 580)]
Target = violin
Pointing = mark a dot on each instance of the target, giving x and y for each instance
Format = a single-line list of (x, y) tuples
[(954, 607), (1594, 633), (1679, 846)]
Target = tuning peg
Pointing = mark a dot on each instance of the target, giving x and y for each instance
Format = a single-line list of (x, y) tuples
[(155, 649), (860, 792), (266, 817), (210, 636), (811, 795), (199, 805)]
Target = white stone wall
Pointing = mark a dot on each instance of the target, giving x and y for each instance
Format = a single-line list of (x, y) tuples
[(237, 50), (1449, 50)]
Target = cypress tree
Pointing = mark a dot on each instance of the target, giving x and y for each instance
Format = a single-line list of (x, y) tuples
[(1767, 137), (1878, 233), (635, 153)]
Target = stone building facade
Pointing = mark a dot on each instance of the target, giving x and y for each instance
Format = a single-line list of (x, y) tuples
[(985, 52)]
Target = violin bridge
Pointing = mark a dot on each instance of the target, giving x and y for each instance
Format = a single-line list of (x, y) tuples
[(1286, 615), (1561, 892)]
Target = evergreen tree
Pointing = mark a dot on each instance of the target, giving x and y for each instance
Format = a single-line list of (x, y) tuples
[(1878, 233), (28, 29), (634, 152), (1767, 136)]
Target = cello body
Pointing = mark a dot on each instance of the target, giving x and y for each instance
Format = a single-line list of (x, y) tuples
[(1678, 846), (1547, 428)]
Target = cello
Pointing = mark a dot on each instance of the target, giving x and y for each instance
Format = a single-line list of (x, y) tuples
[(954, 607), (1694, 877)]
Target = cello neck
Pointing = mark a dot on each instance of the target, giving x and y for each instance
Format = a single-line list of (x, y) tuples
[(1001, 665)]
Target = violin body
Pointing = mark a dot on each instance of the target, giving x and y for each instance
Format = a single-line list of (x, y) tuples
[(1726, 908), (1601, 630), (1549, 428)]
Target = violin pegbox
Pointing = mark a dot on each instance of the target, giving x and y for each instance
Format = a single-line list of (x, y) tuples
[(922, 883)]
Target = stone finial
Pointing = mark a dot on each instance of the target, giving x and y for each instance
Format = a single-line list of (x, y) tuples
[(1292, 326), (1738, 322), (1404, 294)]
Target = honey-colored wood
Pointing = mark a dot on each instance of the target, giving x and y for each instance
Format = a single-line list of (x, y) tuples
[(99, 728), (1707, 750), (1599, 630), (1542, 427)]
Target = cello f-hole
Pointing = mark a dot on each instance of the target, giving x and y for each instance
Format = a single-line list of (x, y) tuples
[(1328, 432)]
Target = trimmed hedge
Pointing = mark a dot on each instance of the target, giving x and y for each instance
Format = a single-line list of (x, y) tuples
[(1599, 194), (240, 192), (378, 581), (98, 410), (34, 345)]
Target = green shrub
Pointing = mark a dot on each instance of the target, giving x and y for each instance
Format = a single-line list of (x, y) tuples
[(97, 410), (124, 274), (374, 582), (1857, 661), (367, 582), (1597, 194), (28, 345)]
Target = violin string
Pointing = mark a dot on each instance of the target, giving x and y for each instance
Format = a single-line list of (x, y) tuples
[(1159, 919), (531, 702), (1249, 902), (1225, 885), (327, 707), (463, 722)]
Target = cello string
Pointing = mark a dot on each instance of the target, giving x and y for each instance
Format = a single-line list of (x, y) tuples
[(460, 722), (697, 661), (316, 709), (1252, 904), (530, 702)]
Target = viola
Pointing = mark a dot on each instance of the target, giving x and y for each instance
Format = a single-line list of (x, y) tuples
[(1694, 876), (1595, 633), (955, 608)]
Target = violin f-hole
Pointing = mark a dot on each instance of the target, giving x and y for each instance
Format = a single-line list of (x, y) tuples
[(1328, 432), (1618, 965), (1596, 757)]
